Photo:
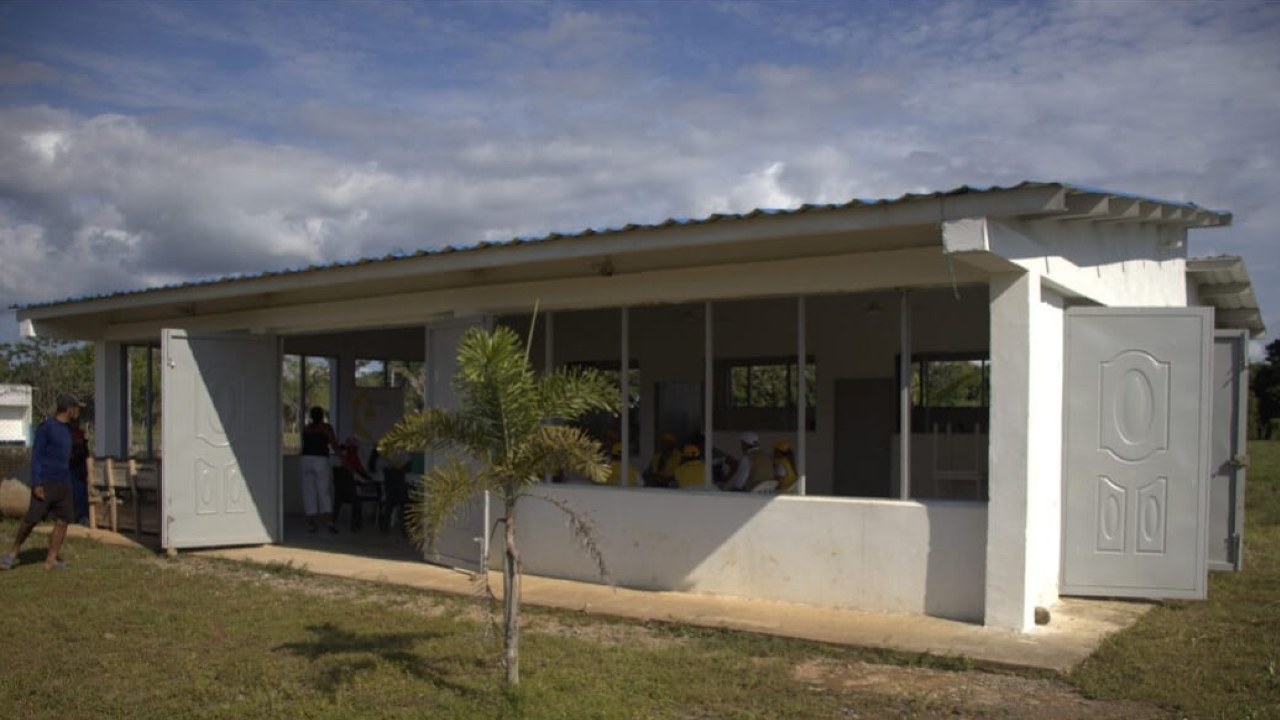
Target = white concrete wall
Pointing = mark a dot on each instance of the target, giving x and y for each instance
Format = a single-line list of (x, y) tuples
[(1133, 264), (1044, 478), (1014, 298), (880, 555), (1025, 516)]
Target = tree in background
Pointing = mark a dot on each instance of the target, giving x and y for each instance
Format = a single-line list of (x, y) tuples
[(1265, 383), (50, 367), (141, 360), (319, 378), (512, 429)]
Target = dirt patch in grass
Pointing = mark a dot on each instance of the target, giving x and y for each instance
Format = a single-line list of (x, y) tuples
[(968, 693)]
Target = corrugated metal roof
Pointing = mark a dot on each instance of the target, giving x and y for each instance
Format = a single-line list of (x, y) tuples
[(630, 227)]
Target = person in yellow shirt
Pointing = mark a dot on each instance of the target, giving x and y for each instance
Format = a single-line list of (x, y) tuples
[(753, 469), (784, 467), (615, 469), (691, 475), (664, 463)]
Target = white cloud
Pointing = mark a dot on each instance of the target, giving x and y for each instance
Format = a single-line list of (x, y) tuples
[(587, 117)]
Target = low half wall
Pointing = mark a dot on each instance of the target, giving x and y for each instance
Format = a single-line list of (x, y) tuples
[(889, 556)]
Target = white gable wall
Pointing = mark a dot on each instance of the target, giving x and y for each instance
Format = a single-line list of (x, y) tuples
[(1112, 264)]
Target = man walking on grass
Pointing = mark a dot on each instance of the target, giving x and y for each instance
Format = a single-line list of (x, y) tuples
[(50, 483)]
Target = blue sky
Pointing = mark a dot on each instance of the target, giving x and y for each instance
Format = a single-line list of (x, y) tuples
[(146, 143)]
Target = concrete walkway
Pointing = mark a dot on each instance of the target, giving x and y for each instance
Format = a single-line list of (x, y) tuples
[(1074, 633)]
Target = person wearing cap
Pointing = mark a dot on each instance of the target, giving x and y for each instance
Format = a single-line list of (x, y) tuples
[(784, 467), (691, 475), (615, 469), (51, 494), (664, 463), (752, 469)]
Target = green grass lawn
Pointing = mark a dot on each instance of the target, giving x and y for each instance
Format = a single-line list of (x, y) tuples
[(125, 634), (1214, 659)]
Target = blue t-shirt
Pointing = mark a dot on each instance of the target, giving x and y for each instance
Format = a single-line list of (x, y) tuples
[(51, 453)]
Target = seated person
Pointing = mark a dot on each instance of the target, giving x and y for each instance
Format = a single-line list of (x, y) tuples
[(349, 454), (721, 463), (691, 475), (752, 467), (784, 467), (662, 466), (615, 469)]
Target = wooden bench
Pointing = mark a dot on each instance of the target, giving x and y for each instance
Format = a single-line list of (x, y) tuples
[(124, 495)]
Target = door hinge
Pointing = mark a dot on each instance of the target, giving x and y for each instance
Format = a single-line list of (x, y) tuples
[(1239, 461)]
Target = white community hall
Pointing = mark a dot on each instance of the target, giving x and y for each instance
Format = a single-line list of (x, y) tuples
[(995, 396)]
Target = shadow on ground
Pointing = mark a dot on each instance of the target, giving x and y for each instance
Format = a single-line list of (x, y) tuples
[(349, 653)]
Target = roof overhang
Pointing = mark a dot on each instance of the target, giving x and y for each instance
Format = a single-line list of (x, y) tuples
[(1223, 284)]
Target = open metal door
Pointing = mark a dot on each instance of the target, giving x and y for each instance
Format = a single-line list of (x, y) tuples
[(221, 439), (463, 542), (1227, 460), (1136, 452)]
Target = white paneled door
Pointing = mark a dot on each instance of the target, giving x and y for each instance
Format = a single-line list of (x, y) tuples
[(221, 439), (1136, 451)]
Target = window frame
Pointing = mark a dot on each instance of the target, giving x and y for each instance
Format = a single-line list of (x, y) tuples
[(922, 412), (760, 417)]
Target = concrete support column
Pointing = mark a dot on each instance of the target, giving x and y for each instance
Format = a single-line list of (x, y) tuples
[(342, 394), (110, 409), (1014, 301)]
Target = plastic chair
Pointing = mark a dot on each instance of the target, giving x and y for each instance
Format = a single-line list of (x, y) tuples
[(395, 496), (347, 491)]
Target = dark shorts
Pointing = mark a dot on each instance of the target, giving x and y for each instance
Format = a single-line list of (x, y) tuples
[(58, 503)]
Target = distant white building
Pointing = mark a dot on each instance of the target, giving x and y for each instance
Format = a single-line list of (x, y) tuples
[(15, 414)]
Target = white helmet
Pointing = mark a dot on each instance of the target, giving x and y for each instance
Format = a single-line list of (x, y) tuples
[(749, 439)]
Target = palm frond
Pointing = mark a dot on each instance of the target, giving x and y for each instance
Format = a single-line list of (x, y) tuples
[(557, 449), (533, 324), (583, 531), (446, 489), (430, 430), (569, 393), (497, 387)]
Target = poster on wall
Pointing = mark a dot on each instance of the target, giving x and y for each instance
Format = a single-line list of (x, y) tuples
[(377, 410)]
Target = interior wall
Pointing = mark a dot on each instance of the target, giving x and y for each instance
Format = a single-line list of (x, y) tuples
[(404, 343), (854, 336)]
